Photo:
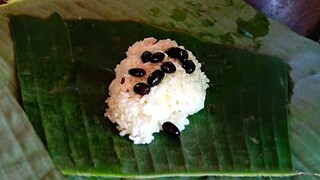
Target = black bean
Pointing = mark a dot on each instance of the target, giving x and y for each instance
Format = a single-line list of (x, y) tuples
[(146, 56), (183, 55), (170, 129), (168, 67), (173, 52), (138, 72), (188, 66), (157, 57), (155, 77), (178, 53), (141, 88)]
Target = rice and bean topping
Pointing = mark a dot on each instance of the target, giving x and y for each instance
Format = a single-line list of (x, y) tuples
[(156, 87)]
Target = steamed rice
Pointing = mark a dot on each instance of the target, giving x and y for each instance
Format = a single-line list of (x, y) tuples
[(178, 95)]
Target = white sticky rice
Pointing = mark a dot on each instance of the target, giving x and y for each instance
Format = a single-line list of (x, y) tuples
[(178, 95)]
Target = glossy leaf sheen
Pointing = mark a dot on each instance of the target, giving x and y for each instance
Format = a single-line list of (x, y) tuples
[(64, 76)]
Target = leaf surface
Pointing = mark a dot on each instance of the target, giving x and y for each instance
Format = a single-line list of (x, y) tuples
[(211, 21), (241, 131)]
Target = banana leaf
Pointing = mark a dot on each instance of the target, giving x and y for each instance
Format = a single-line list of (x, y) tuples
[(211, 21), (64, 75)]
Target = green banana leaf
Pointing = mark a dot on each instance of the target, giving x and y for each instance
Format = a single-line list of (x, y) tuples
[(64, 75), (212, 21), (21, 152)]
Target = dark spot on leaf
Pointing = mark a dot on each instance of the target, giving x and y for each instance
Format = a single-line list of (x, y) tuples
[(179, 14), (258, 26)]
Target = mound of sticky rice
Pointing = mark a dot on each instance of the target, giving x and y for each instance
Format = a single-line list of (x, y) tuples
[(177, 96)]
